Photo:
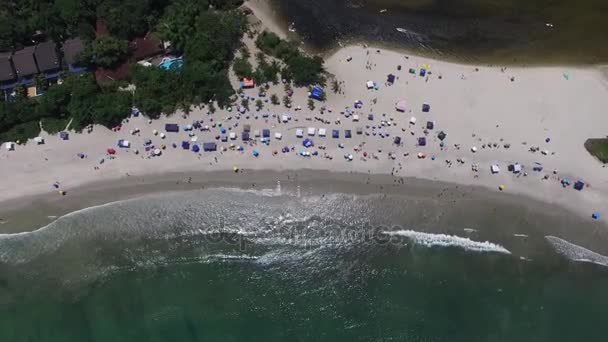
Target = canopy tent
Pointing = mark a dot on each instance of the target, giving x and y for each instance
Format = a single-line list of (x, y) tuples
[(285, 118), (266, 133), (430, 125), (335, 133), (64, 135), (426, 107), (209, 147), (299, 133), (401, 106), (172, 128), (413, 120), (422, 141), (185, 145), (370, 117), (245, 136), (397, 140), (322, 132), (124, 143), (441, 135), (232, 135), (195, 148), (278, 136), (390, 78), (311, 131), (348, 133), (247, 83), (223, 137), (247, 128), (422, 72), (494, 169), (369, 84), (359, 130), (579, 185)]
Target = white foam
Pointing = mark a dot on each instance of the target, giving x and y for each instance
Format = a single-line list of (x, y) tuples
[(443, 240), (575, 252)]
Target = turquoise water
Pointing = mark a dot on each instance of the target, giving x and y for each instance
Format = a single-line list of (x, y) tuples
[(228, 265)]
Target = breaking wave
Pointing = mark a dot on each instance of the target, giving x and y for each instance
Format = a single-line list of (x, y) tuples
[(575, 252), (443, 240)]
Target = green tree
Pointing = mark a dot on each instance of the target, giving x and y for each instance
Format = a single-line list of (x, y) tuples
[(286, 101), (242, 67), (274, 99), (108, 51), (259, 104), (311, 104)]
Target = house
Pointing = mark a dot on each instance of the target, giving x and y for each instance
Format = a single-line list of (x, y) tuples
[(247, 83), (71, 49), (145, 47), (8, 77), (48, 60), (25, 65)]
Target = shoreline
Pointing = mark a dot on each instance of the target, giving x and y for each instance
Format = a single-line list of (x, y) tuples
[(539, 219)]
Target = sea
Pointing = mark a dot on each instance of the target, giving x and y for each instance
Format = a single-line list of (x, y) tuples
[(277, 264), (472, 31)]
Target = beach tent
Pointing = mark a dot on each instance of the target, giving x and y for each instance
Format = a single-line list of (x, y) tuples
[(494, 169), (247, 128), (517, 168), (370, 117), (307, 143), (579, 185), (422, 141), (232, 135), (245, 136), (412, 71), (335, 133), (124, 143), (370, 84), (185, 145), (422, 72), (311, 131), (390, 78), (171, 128), (195, 148), (400, 106), (64, 135), (426, 107), (299, 133), (209, 147), (397, 140), (247, 83), (441, 135), (317, 93), (278, 136), (413, 120), (256, 153), (348, 133), (322, 132), (430, 125)]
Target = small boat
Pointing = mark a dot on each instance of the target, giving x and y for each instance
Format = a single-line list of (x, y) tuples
[(384, 10), (402, 30), (292, 27), (549, 25)]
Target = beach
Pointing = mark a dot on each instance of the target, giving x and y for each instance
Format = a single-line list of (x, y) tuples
[(552, 109)]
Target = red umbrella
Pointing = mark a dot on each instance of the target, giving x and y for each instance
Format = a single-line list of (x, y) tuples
[(111, 151)]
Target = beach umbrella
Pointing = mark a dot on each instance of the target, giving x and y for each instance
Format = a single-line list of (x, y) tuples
[(501, 187), (235, 169), (256, 153)]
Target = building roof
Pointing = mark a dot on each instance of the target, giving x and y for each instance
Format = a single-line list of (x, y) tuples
[(7, 73), (103, 75), (71, 49), (47, 57), (24, 62), (145, 47)]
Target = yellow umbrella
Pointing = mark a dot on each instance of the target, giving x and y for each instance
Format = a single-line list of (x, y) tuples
[(501, 187)]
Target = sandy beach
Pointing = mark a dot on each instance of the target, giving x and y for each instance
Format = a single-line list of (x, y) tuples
[(500, 112)]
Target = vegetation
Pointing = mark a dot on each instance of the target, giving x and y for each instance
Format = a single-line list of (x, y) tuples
[(106, 52), (301, 69), (274, 99), (598, 148), (311, 104), (259, 104), (242, 68), (286, 101)]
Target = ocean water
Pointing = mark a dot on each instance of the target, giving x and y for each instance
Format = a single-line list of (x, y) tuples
[(276, 265), (476, 31)]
